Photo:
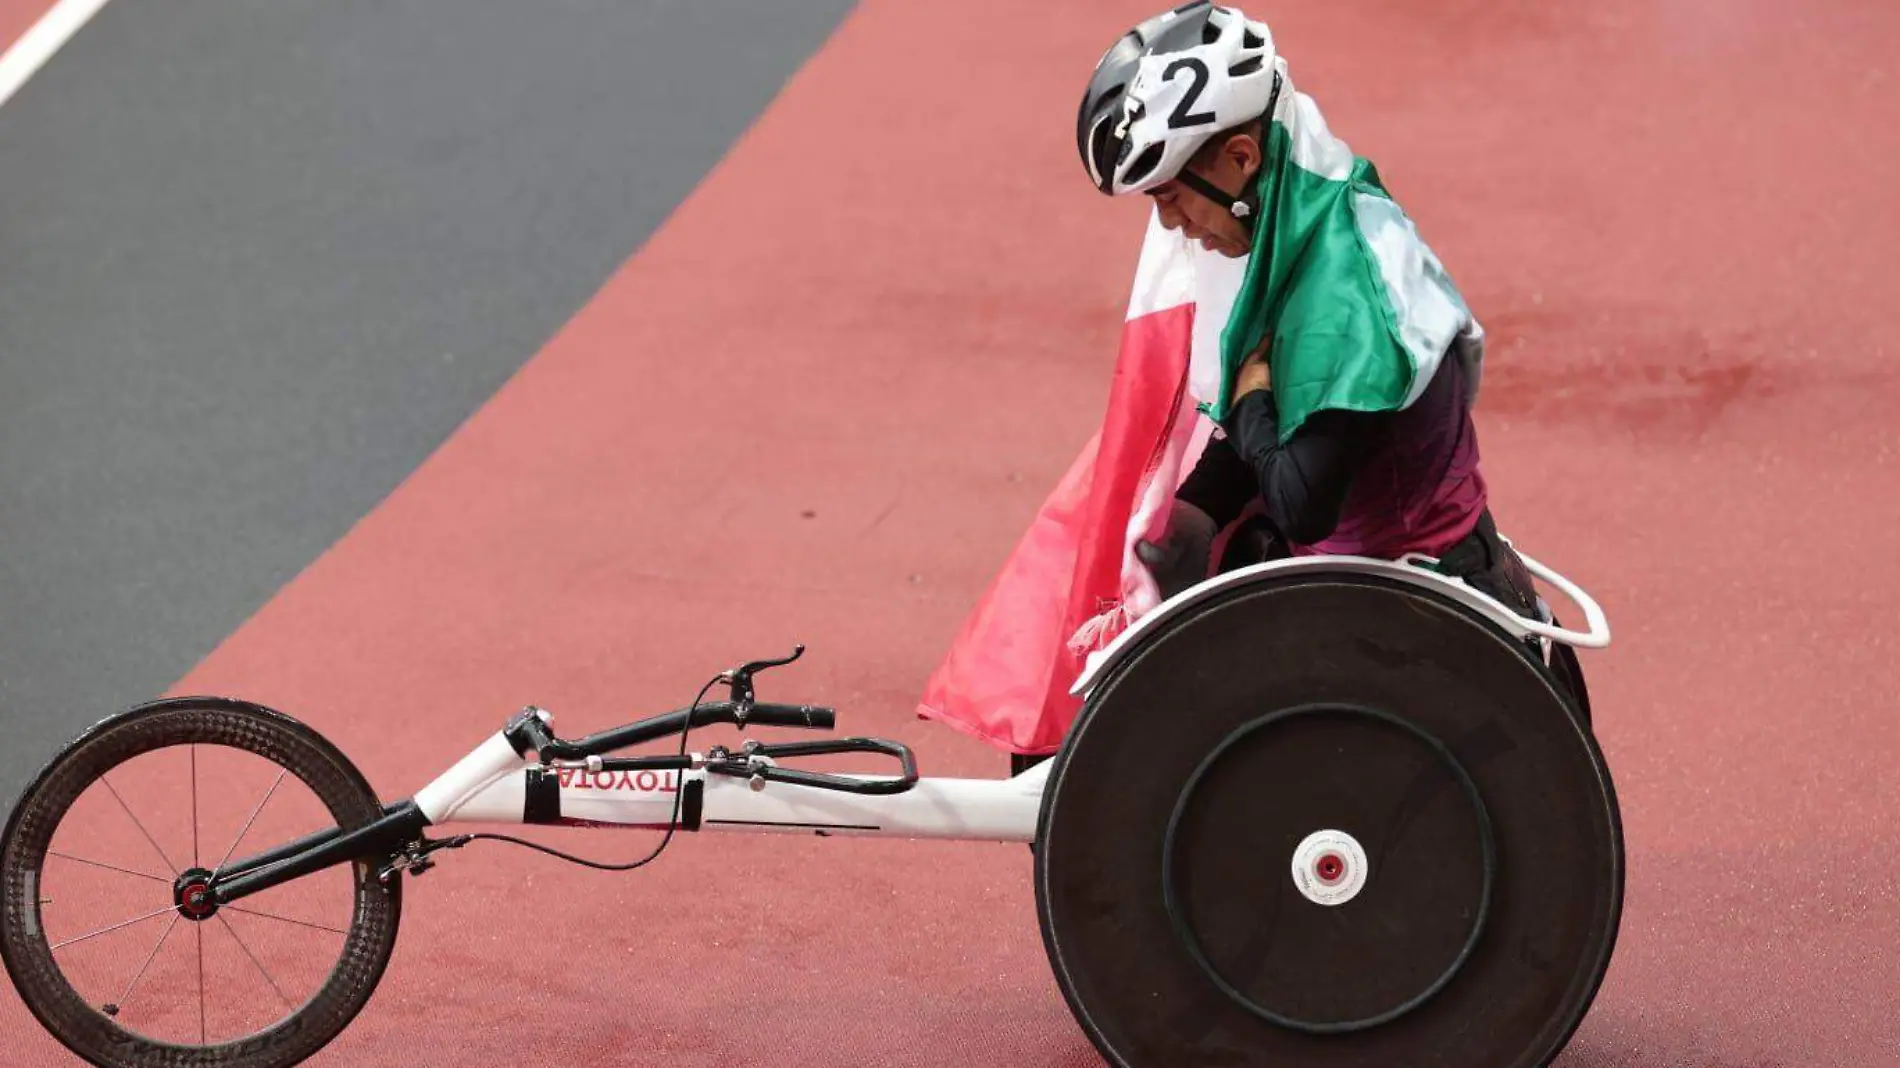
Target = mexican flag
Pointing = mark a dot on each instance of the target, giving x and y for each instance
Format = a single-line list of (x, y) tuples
[(1355, 312), (1357, 309), (1073, 581)]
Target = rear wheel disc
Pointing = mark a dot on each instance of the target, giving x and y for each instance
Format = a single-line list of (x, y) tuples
[(1333, 821), (1413, 923)]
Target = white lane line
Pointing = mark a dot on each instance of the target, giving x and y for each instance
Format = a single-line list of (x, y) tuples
[(38, 44)]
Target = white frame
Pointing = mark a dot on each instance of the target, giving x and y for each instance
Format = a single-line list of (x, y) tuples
[(490, 784)]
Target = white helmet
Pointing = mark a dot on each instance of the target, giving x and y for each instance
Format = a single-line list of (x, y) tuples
[(1166, 88)]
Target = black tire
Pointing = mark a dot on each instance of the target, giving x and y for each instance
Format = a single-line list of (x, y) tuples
[(1315, 703), (1569, 672), (82, 1027)]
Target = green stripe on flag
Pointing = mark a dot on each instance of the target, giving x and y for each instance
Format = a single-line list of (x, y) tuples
[(1358, 309)]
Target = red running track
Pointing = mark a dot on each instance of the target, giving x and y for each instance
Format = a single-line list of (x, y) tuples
[(821, 404)]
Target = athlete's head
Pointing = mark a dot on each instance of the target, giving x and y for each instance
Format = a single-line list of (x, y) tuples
[(1229, 161), (1175, 110)]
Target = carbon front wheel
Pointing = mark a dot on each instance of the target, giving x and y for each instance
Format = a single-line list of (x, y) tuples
[(105, 926), (1334, 821)]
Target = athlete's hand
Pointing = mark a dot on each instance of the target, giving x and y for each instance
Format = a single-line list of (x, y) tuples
[(1253, 373), (1181, 559)]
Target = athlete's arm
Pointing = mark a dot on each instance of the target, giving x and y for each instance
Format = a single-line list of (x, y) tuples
[(1303, 481), (1221, 484)]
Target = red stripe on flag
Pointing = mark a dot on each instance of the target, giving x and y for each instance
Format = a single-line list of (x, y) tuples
[(1007, 676)]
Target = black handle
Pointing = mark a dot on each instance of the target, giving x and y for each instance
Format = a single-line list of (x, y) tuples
[(810, 717), (841, 784), (821, 780), (831, 746)]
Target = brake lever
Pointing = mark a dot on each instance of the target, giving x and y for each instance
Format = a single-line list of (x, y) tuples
[(739, 679)]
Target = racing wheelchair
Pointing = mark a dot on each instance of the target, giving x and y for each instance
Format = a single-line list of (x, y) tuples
[(1328, 811)]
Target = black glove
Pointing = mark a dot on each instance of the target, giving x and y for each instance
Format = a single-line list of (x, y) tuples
[(1254, 541), (1181, 559)]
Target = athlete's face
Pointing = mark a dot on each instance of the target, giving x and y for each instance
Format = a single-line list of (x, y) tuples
[(1229, 164)]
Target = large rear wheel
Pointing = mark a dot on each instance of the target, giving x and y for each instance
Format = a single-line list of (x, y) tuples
[(1334, 821)]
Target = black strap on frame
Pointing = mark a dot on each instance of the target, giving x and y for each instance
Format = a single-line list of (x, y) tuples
[(543, 802)]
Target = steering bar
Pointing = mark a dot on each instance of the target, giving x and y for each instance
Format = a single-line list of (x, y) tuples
[(529, 732), (811, 717)]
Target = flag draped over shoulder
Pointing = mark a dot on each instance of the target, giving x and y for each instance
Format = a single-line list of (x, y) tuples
[(1355, 309), (1356, 313), (1073, 581)]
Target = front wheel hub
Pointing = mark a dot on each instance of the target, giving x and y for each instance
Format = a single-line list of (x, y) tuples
[(192, 894)]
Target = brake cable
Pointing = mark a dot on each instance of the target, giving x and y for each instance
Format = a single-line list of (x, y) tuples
[(461, 840)]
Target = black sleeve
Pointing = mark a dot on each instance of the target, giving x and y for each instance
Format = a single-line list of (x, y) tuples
[(1221, 484), (1304, 481)]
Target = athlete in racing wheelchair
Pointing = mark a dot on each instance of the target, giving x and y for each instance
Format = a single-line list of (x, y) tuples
[(1368, 447)]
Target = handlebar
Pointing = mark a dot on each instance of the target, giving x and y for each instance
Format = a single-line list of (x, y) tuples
[(531, 734), (810, 717), (529, 731)]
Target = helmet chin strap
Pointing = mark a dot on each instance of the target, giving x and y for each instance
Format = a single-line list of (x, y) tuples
[(1239, 208)]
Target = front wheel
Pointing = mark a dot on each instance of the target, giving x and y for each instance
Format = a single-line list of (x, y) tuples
[(104, 926)]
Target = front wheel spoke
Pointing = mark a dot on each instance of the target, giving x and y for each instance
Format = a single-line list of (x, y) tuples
[(169, 866), (199, 930), (194, 806), (246, 829), (259, 965), (108, 867), (126, 998), (114, 927), (286, 919)]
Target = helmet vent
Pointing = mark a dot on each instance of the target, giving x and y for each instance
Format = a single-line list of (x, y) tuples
[(1246, 67), (1145, 163), (1250, 39)]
